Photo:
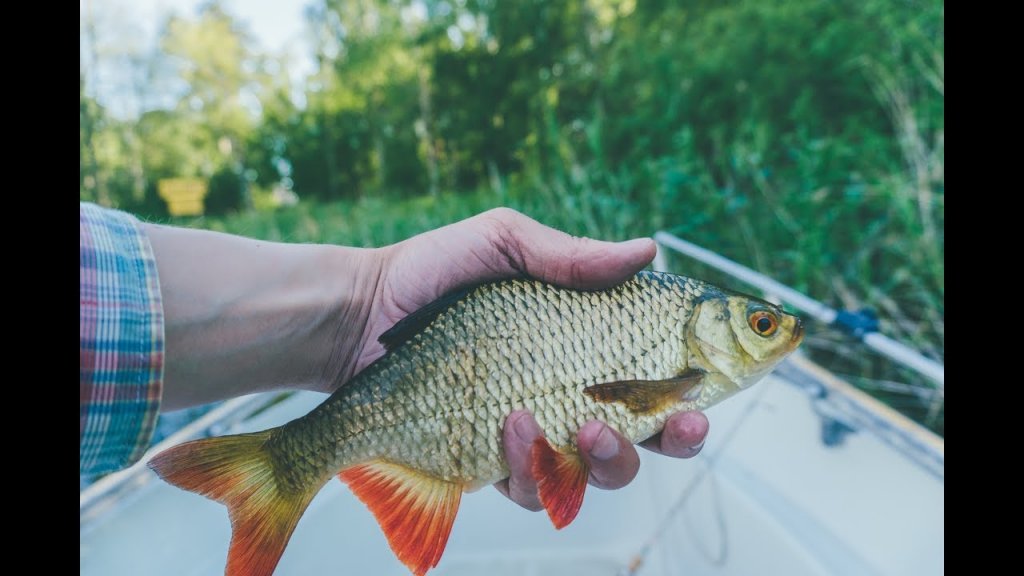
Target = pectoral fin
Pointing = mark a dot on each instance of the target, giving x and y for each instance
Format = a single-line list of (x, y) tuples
[(644, 396), (561, 481), (415, 510)]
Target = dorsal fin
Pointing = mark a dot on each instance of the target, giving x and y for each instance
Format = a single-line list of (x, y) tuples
[(414, 323)]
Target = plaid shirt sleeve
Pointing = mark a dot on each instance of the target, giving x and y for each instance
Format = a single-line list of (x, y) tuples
[(121, 340)]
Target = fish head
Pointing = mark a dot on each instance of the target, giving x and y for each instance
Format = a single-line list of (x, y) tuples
[(740, 338)]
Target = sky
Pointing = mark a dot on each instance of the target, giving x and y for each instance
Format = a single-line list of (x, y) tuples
[(276, 25)]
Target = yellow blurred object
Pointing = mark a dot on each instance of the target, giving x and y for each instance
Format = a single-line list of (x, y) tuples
[(184, 196)]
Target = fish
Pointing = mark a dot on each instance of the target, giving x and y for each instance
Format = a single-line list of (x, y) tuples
[(422, 425)]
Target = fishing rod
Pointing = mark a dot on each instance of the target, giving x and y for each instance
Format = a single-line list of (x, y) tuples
[(858, 325)]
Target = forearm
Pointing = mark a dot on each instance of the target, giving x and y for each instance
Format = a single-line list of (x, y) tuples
[(244, 316)]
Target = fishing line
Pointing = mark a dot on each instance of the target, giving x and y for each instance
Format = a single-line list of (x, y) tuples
[(637, 561), (714, 557)]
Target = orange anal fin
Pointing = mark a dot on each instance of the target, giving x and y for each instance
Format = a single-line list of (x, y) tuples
[(415, 510), (561, 481), (647, 396)]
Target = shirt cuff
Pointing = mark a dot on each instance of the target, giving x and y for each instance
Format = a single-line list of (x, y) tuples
[(121, 340)]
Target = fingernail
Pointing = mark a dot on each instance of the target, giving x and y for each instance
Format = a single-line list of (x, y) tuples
[(636, 242), (524, 429), (696, 449), (606, 446)]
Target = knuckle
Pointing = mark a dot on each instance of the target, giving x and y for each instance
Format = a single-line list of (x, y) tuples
[(576, 260), (503, 215)]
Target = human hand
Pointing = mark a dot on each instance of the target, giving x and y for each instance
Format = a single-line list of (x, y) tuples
[(503, 243), (612, 460), (500, 243)]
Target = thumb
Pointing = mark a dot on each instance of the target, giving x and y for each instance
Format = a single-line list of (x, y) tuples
[(553, 256)]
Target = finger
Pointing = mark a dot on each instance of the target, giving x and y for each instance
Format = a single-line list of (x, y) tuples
[(518, 435), (550, 255), (613, 460), (682, 437)]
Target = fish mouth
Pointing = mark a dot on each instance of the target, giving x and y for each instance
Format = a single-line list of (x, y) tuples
[(798, 332)]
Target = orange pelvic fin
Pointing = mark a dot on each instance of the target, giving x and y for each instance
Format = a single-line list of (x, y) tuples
[(415, 510), (561, 481), (645, 396), (237, 471)]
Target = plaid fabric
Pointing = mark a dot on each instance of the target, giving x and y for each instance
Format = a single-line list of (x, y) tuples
[(121, 340)]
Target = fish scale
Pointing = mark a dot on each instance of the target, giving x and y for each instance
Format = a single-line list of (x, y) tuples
[(424, 422), (554, 376)]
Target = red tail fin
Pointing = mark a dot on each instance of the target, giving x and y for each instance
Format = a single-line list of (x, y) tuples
[(237, 471)]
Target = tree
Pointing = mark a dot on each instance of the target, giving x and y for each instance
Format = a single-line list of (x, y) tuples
[(222, 72)]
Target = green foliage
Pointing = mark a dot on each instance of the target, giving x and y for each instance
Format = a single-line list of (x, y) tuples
[(173, 145), (214, 58), (203, 135), (802, 137), (225, 192)]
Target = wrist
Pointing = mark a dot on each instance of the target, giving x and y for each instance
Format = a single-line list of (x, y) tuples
[(349, 284), (244, 316)]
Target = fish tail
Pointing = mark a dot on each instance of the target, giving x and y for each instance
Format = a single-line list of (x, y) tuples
[(238, 472)]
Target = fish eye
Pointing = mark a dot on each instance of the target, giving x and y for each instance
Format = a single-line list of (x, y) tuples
[(763, 322)]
